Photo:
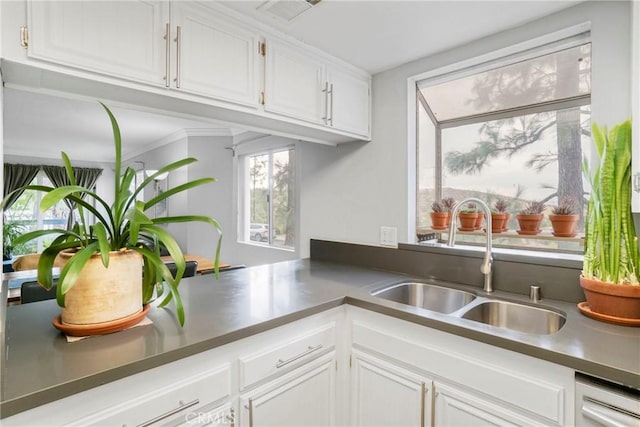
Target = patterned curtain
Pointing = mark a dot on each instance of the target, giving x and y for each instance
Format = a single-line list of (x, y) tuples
[(16, 176), (85, 177)]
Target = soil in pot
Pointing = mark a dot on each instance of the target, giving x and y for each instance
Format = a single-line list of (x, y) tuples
[(529, 224), (440, 220), (612, 300), (467, 221), (564, 225)]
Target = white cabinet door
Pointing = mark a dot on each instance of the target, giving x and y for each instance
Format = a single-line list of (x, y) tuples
[(304, 397), (349, 103), (454, 407), (119, 38), (386, 395), (294, 83), (214, 57)]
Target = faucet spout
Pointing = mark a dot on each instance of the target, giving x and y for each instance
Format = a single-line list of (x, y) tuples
[(485, 267)]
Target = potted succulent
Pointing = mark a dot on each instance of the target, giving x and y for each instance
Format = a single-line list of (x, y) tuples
[(611, 257), (499, 216), (93, 253), (468, 217), (441, 213), (530, 218), (564, 218)]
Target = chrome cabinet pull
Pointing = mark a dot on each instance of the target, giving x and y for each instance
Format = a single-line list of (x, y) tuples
[(330, 96), (232, 417), (325, 118), (178, 41), (167, 54), (250, 412), (309, 350), (174, 411)]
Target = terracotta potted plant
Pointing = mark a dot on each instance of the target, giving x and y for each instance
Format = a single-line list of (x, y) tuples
[(478, 224), (439, 216), (467, 218), (499, 216), (611, 257), (108, 275), (441, 213), (564, 218), (530, 218)]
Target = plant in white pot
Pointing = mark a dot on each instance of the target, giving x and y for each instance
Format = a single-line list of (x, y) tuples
[(611, 256), (108, 274)]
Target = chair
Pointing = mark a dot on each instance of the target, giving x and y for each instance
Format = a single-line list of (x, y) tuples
[(190, 268), (32, 292), (148, 243)]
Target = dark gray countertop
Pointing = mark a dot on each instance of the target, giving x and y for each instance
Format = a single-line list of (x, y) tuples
[(39, 366)]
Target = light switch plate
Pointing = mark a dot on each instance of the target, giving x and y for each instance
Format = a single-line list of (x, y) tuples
[(389, 236)]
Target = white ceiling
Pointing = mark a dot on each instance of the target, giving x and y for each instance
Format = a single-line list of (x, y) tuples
[(374, 35), (377, 35)]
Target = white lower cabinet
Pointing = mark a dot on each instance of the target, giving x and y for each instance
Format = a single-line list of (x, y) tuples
[(406, 374), (304, 397), (384, 394)]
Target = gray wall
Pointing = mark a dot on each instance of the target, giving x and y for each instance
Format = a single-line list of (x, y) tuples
[(361, 187)]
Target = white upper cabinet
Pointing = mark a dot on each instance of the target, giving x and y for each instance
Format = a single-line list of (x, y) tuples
[(123, 39), (213, 57), (348, 102), (294, 83)]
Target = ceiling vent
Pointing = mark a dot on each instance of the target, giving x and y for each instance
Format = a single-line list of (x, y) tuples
[(287, 9)]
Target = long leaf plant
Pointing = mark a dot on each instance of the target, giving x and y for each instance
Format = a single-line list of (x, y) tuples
[(611, 245), (118, 226)]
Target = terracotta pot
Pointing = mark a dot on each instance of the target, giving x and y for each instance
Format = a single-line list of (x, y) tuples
[(467, 220), (105, 294), (506, 222), (498, 221), (440, 220), (529, 224), (610, 299), (564, 225), (478, 224)]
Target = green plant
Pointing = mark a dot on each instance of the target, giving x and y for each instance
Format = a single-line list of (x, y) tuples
[(533, 208), (470, 208), (500, 206), (118, 226), (448, 203), (567, 206), (437, 207), (11, 230), (611, 245)]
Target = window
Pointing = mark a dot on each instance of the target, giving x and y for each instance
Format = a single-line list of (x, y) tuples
[(518, 131), (268, 205), (26, 212)]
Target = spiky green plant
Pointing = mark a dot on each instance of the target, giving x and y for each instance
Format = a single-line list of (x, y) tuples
[(611, 245), (437, 207), (448, 203), (533, 208), (500, 206), (118, 226), (567, 206)]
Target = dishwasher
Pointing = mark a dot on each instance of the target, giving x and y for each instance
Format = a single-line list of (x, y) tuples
[(599, 403)]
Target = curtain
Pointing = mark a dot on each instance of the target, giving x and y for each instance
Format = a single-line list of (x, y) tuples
[(85, 177), (16, 176)]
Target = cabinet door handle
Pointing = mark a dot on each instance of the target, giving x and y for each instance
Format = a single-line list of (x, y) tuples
[(330, 96), (309, 350), (178, 41), (167, 414), (167, 54), (325, 118), (250, 408)]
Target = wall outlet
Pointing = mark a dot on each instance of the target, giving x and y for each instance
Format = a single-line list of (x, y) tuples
[(389, 236)]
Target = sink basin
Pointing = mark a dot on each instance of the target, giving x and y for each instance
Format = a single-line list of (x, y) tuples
[(518, 317), (426, 295)]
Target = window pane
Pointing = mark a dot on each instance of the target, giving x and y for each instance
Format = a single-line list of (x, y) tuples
[(258, 192), (283, 212), (560, 75)]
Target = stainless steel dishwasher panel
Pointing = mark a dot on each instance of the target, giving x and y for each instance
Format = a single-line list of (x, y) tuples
[(599, 404)]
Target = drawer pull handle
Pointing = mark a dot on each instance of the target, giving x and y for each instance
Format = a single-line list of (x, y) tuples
[(174, 411), (309, 350)]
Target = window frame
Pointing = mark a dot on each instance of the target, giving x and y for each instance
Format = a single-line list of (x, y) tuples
[(562, 39), (244, 219)]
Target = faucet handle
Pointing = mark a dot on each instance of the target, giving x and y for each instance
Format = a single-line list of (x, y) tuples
[(534, 293)]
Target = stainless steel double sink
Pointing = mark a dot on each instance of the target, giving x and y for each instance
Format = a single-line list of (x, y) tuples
[(467, 305)]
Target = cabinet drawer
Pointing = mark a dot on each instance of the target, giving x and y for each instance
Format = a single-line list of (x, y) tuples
[(176, 401), (286, 355)]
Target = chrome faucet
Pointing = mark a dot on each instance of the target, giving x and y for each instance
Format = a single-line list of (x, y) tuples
[(485, 268)]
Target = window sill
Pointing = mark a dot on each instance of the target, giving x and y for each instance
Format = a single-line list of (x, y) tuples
[(266, 246)]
